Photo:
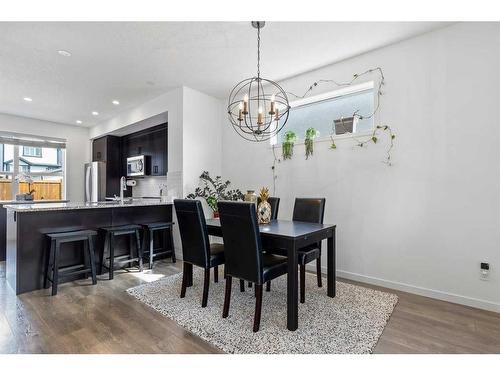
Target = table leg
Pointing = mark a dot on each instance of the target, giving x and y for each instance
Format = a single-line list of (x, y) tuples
[(292, 289), (330, 265)]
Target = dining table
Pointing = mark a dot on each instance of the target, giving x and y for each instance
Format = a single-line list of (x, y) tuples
[(292, 236)]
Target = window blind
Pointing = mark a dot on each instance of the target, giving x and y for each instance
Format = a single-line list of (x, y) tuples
[(31, 140)]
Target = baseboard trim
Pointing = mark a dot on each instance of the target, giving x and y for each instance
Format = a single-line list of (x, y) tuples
[(431, 293)]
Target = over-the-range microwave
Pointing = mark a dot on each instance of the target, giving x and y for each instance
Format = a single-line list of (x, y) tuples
[(138, 166)]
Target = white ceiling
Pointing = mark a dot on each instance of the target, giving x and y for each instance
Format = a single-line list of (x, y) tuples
[(134, 62)]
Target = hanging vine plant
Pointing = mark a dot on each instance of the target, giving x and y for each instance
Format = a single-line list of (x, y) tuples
[(289, 139), (311, 133)]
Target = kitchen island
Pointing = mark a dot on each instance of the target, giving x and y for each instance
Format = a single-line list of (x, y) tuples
[(27, 225)]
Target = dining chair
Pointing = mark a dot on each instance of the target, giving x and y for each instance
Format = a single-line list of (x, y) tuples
[(245, 259), (275, 205), (196, 247), (311, 210)]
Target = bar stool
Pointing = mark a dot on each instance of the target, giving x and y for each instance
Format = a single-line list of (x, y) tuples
[(149, 230), (52, 265), (132, 231)]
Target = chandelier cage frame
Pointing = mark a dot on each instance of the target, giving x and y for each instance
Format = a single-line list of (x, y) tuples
[(258, 108)]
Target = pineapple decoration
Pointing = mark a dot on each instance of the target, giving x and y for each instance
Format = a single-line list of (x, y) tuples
[(264, 208)]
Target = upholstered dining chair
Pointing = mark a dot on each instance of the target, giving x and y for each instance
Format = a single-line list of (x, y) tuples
[(311, 210), (245, 259), (275, 206), (196, 247)]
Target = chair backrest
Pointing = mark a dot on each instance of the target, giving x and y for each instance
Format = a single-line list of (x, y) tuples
[(311, 210), (275, 205), (242, 244), (193, 230)]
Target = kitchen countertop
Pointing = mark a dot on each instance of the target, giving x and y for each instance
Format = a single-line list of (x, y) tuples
[(6, 202), (36, 207)]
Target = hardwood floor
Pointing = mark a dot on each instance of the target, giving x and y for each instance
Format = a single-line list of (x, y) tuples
[(104, 319)]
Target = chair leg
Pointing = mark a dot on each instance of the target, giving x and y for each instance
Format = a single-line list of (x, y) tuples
[(151, 245), (185, 276), (86, 256), (138, 248), (258, 307), (242, 286), (227, 297), (206, 285), (48, 264), (190, 275), (111, 255), (318, 272), (216, 274), (302, 283), (55, 275), (171, 240), (268, 286), (102, 253), (92, 260)]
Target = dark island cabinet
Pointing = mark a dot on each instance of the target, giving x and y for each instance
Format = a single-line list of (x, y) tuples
[(151, 142)]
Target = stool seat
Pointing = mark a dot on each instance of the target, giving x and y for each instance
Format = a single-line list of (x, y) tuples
[(158, 225), (122, 228), (68, 235)]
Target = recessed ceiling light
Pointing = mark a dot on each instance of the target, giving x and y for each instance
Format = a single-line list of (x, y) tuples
[(28, 99), (78, 121), (95, 113), (116, 102), (64, 53)]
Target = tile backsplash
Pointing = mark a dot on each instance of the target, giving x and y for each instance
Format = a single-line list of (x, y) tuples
[(150, 186)]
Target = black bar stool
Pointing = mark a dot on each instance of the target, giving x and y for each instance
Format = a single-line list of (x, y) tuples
[(52, 269), (149, 230), (132, 231)]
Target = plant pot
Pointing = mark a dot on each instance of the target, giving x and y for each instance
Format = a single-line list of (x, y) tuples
[(216, 214)]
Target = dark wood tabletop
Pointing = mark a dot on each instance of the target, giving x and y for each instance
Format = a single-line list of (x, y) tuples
[(284, 228)]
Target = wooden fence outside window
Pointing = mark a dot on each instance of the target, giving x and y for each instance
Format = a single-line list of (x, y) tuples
[(48, 190)]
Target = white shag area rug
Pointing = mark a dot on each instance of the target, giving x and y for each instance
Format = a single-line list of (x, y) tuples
[(352, 322)]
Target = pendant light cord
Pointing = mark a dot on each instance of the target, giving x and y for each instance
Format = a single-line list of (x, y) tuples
[(258, 49)]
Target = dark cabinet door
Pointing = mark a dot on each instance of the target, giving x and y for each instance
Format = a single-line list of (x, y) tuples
[(158, 149), (99, 149)]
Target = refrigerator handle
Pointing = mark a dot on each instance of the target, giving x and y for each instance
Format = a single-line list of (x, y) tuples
[(88, 169)]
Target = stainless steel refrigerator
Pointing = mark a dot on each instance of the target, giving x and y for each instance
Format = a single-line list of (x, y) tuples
[(95, 181)]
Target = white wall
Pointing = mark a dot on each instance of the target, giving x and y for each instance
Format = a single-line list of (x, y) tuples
[(201, 137), (78, 146), (424, 224)]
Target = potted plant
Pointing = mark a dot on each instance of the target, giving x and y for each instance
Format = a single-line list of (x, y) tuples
[(214, 190), (311, 133), (289, 138)]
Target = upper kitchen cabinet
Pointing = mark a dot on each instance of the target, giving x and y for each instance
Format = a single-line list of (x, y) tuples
[(151, 142)]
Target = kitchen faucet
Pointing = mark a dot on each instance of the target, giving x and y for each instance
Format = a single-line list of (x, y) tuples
[(123, 187)]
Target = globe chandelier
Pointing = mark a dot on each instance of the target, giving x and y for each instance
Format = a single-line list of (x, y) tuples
[(258, 108)]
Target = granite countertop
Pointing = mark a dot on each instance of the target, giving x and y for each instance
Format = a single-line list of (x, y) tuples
[(6, 202), (35, 207)]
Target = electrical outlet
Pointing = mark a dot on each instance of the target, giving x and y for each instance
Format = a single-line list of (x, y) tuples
[(485, 270)]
